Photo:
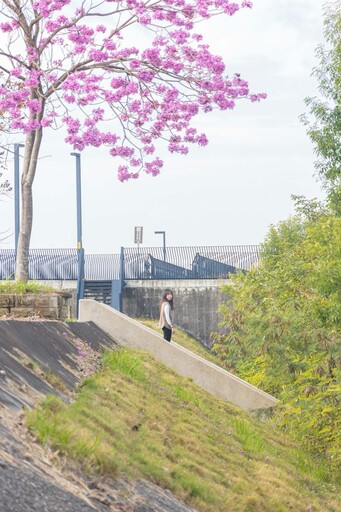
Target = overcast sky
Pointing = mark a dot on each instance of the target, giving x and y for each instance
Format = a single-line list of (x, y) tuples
[(227, 193)]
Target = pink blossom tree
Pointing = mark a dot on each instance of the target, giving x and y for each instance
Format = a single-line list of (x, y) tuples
[(120, 73)]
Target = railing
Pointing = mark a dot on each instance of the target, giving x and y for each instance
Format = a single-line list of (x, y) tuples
[(135, 263), (102, 267), (188, 262), (49, 264)]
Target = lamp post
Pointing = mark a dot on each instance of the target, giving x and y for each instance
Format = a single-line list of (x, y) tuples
[(17, 194), (80, 250), (79, 199), (163, 233)]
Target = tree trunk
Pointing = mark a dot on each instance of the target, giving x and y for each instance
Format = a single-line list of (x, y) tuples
[(32, 147)]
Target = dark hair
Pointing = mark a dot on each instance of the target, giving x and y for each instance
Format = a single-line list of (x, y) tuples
[(164, 298)]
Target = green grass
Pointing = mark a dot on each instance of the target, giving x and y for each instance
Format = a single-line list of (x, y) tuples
[(55, 381), (21, 287), (137, 417), (185, 340)]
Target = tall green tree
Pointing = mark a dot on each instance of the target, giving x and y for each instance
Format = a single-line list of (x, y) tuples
[(324, 118)]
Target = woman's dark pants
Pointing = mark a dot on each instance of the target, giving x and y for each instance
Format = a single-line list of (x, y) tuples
[(167, 333)]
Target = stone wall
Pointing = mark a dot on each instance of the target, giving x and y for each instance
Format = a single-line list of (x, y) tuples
[(67, 289), (56, 306)]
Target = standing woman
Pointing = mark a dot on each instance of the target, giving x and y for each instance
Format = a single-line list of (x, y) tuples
[(167, 314)]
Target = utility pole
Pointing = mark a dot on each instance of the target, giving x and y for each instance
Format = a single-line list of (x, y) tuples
[(80, 250)]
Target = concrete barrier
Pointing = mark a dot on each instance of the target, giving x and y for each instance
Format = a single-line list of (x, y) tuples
[(130, 333)]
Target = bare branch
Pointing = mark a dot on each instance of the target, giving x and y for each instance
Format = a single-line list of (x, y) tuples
[(13, 57), (9, 5), (4, 69)]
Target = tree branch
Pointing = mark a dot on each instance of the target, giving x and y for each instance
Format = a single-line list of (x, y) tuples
[(13, 57), (9, 5)]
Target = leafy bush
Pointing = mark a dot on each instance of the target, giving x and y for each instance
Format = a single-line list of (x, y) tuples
[(284, 326)]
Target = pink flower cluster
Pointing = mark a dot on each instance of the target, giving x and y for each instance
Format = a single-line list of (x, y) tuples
[(145, 94), (88, 361), (48, 7), (9, 26)]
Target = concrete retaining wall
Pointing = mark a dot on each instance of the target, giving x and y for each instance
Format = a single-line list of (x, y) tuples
[(215, 380), (196, 303), (56, 306)]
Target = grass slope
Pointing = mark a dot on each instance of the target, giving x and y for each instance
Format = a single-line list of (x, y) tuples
[(139, 418), (185, 340)]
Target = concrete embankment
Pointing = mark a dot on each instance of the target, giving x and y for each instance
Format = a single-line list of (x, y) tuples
[(30, 350)]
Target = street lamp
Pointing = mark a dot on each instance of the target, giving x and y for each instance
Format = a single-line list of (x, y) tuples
[(80, 250), (163, 233), (79, 199)]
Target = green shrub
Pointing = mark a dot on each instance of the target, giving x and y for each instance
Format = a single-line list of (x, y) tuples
[(284, 329)]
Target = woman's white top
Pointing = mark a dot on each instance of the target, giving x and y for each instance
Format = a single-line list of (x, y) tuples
[(166, 316)]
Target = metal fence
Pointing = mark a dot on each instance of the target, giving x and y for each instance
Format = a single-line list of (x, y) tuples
[(102, 267), (57, 264), (135, 263), (188, 262)]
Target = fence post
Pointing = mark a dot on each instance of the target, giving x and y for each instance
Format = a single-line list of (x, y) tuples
[(117, 285), (122, 276)]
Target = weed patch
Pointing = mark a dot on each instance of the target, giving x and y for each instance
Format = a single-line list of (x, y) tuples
[(21, 287)]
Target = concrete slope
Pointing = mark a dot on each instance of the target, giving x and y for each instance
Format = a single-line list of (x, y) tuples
[(30, 349), (212, 378)]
